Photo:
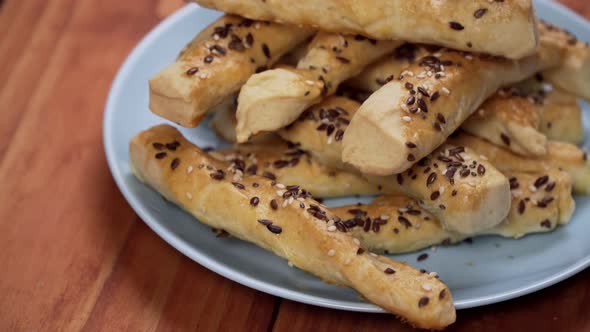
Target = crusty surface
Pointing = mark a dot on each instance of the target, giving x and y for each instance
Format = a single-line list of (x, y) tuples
[(509, 120), (452, 85), (397, 224), (573, 75), (463, 190), (565, 156), (216, 64), (287, 163), (388, 68), (208, 190), (320, 129), (561, 117), (480, 26), (481, 198), (272, 99)]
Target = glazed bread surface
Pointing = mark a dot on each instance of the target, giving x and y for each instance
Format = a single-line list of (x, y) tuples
[(300, 231), (479, 26)]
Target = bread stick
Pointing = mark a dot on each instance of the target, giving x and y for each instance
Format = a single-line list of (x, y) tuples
[(206, 188), (510, 120), (565, 156), (573, 75), (464, 191), (505, 28), (431, 100), (397, 224), (216, 64), (389, 67), (285, 162), (274, 98)]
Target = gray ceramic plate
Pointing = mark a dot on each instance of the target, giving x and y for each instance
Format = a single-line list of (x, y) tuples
[(490, 270)]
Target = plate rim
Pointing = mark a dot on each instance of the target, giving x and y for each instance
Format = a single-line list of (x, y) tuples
[(226, 271)]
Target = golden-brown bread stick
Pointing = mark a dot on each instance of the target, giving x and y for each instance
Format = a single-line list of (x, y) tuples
[(397, 224), (210, 191), (505, 28), (573, 75), (216, 64), (434, 96), (509, 120), (561, 117), (274, 98), (389, 67), (287, 163), (565, 156), (465, 192), (559, 111)]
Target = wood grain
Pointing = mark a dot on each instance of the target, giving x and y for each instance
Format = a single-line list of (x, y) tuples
[(75, 256)]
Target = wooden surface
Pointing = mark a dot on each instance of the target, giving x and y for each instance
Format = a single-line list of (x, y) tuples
[(73, 254)]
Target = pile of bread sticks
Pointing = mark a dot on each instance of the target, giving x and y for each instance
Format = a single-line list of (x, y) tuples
[(460, 115)]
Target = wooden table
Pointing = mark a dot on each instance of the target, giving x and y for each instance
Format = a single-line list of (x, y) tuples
[(73, 254)]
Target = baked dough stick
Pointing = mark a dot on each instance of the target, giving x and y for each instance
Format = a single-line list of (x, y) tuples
[(565, 156), (431, 100), (217, 64), (287, 163), (204, 187), (465, 192), (512, 118), (384, 70), (479, 26), (397, 224), (561, 117), (573, 75), (274, 98)]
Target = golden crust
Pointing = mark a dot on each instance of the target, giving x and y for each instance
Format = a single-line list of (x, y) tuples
[(392, 115), (191, 179), (287, 163), (403, 226), (479, 26), (573, 75), (509, 120), (565, 156), (481, 201), (561, 117), (273, 99), (223, 56)]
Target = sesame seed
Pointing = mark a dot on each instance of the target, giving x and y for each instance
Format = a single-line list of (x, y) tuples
[(445, 91), (480, 12), (189, 169), (331, 228), (174, 164), (274, 229), (505, 139), (189, 195), (422, 257), (192, 71), (254, 201), (427, 287), (423, 302), (310, 82), (274, 205), (160, 155), (406, 118), (541, 181), (266, 51), (456, 26), (389, 271), (331, 252)]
